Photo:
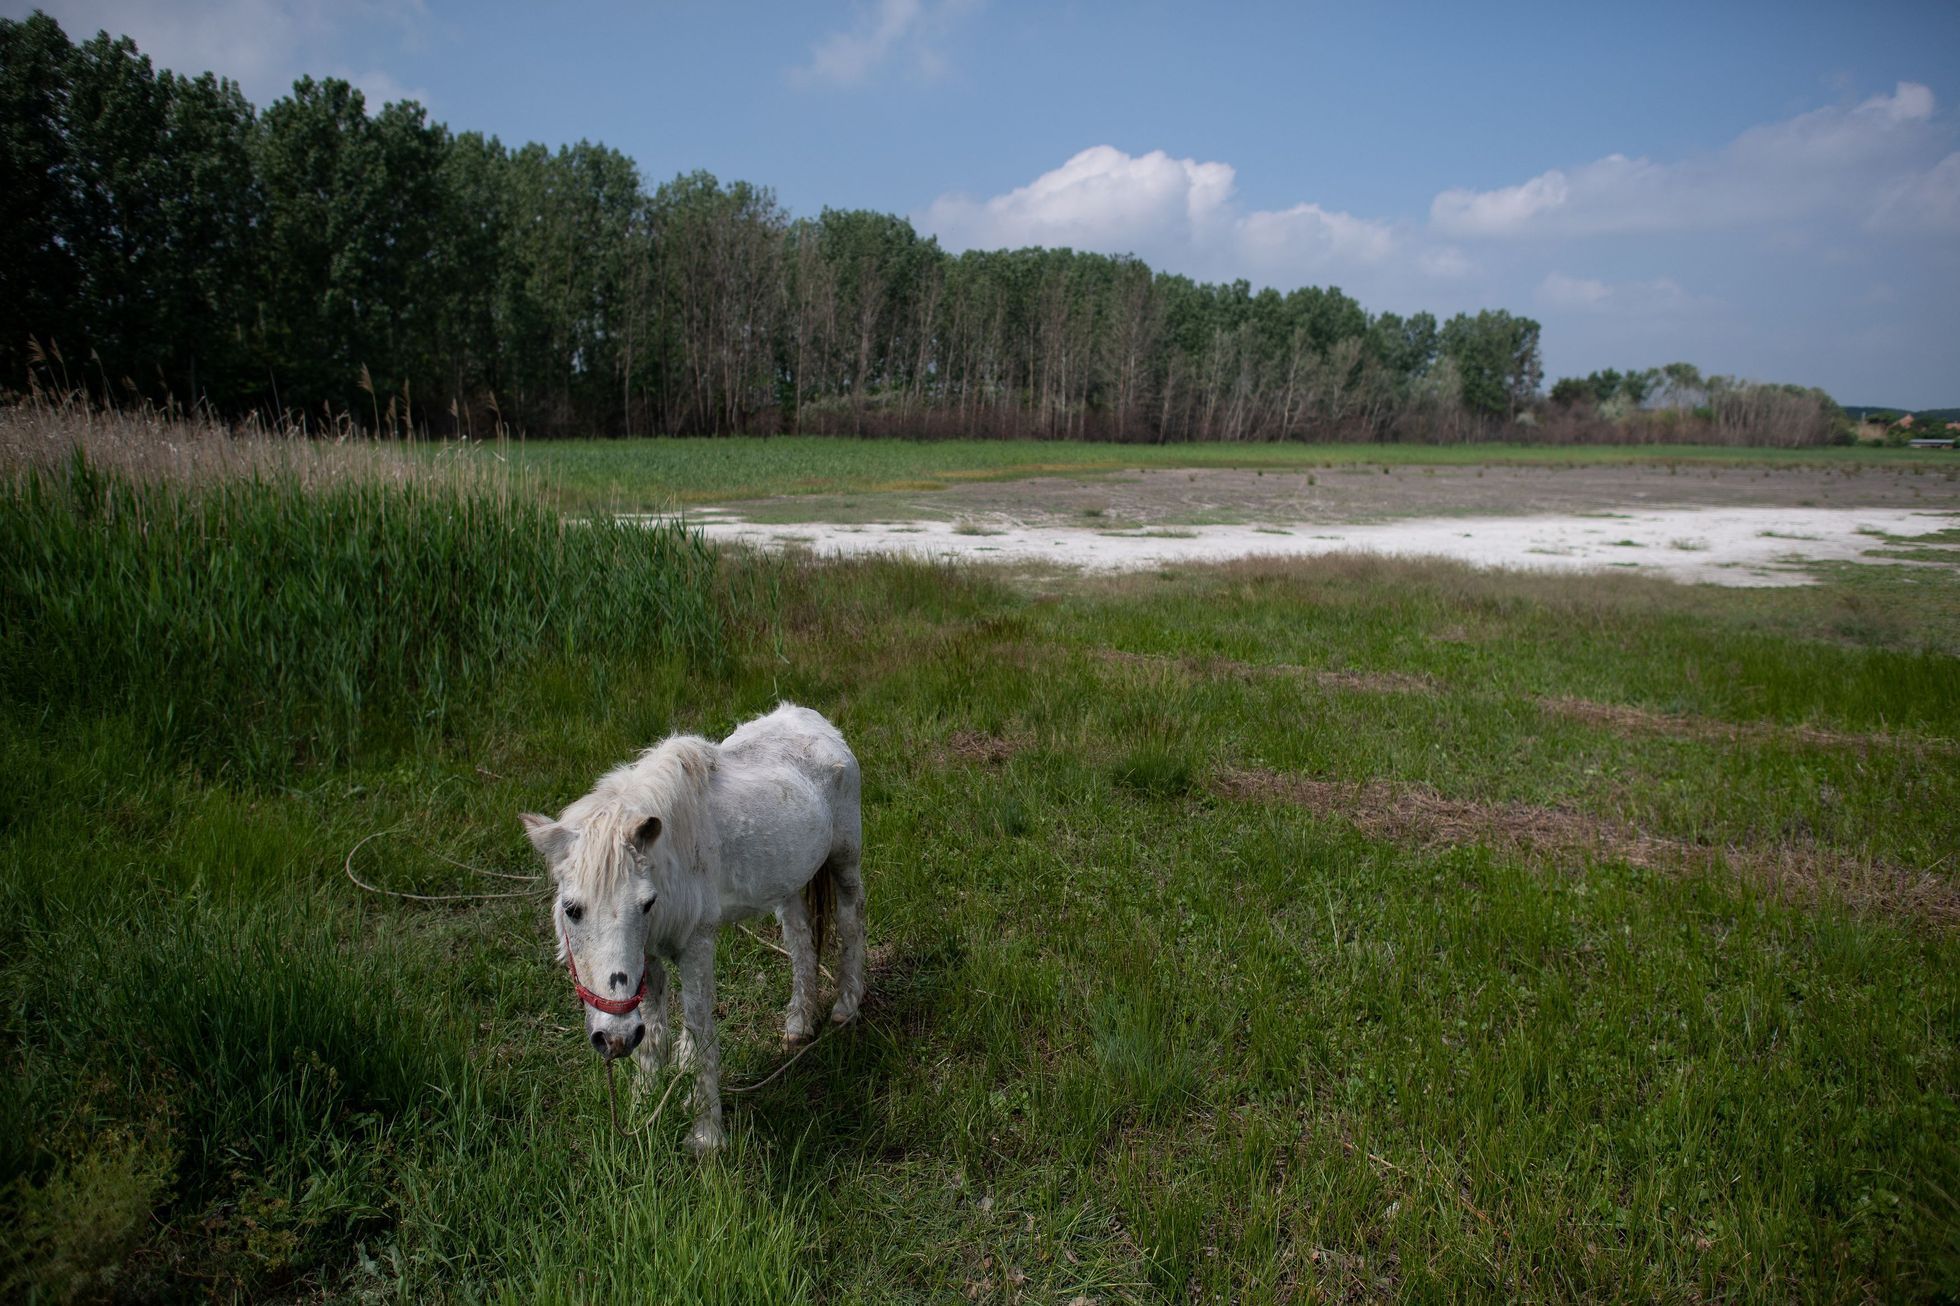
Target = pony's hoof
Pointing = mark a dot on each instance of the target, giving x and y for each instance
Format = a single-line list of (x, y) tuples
[(703, 1141), (792, 1040)]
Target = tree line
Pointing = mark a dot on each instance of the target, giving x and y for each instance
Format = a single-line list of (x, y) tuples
[(162, 240), (1677, 401)]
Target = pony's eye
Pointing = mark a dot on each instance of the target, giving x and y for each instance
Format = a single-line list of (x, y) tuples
[(573, 911), (646, 906)]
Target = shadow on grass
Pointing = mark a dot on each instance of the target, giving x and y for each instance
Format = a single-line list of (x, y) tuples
[(824, 1108)]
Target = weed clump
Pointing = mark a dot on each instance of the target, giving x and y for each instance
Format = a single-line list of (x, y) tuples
[(1157, 771)]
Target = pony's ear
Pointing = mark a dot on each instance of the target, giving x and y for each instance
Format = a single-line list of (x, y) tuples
[(648, 831), (547, 836)]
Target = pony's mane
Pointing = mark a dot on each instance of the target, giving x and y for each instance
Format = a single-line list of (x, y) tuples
[(670, 781)]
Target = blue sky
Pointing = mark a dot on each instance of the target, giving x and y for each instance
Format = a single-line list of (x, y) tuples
[(1766, 190)]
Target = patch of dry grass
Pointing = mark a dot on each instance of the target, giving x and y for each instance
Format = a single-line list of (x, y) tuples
[(1372, 682), (1417, 816), (1676, 725), (150, 446)]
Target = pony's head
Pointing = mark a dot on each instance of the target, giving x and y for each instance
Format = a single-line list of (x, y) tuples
[(605, 888)]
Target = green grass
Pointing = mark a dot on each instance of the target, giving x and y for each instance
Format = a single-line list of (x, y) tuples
[(248, 624), (666, 474), (1133, 1034)]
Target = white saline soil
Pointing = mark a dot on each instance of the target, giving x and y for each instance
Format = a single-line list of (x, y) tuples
[(1723, 546)]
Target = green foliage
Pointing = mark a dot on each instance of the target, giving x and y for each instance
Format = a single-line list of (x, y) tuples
[(37, 271), (1610, 405), (74, 1231), (340, 265), (1630, 388), (1496, 356), (249, 625), (1570, 391), (354, 217)]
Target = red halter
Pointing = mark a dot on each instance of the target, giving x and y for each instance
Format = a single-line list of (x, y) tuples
[(611, 1006)]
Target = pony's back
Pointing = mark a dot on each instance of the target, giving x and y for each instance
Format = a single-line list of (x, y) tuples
[(806, 741), (795, 736)]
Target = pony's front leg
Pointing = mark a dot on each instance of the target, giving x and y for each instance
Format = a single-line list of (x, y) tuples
[(698, 1013), (651, 1055)]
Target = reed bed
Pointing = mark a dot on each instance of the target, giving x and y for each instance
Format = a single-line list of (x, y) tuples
[(253, 601)]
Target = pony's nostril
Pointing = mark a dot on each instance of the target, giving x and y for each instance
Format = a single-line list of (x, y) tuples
[(599, 1041), (639, 1033), (618, 979)]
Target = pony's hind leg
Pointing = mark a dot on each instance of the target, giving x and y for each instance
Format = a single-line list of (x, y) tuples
[(799, 1022), (849, 920)]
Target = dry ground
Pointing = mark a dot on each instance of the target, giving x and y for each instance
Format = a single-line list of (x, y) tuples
[(1356, 493)]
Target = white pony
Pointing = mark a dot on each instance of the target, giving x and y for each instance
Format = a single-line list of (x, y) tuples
[(665, 850)]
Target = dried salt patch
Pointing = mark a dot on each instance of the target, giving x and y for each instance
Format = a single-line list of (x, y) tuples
[(1749, 547)]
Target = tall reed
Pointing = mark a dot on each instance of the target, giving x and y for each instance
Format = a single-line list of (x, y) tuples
[(252, 605)]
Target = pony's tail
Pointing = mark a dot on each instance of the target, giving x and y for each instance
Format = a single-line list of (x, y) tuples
[(819, 902)]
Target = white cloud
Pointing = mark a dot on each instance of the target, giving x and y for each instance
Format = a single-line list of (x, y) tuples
[(1829, 158), (1560, 291), (1446, 262), (263, 45), (380, 88), (906, 32), (1494, 212), (1100, 199), (1661, 297), (1311, 232), (1927, 201), (1178, 213)]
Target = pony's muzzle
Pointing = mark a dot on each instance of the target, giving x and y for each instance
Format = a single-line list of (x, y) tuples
[(612, 1046)]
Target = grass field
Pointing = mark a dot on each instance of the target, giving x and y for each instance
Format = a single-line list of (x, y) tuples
[(660, 475), (1345, 929)]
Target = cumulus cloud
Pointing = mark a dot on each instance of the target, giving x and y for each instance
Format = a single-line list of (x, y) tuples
[(1178, 213), (1313, 233), (903, 32), (1100, 199), (1829, 158), (263, 45)]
